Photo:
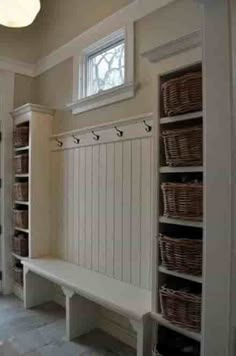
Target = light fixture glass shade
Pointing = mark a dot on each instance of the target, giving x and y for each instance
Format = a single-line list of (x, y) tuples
[(18, 13)]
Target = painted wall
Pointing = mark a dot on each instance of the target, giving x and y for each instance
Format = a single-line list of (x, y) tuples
[(54, 87)]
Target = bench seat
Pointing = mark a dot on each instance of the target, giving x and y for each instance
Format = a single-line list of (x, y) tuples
[(84, 289)]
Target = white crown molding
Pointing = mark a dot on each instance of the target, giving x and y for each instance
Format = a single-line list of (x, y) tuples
[(128, 14), (31, 107), (174, 47), (19, 67)]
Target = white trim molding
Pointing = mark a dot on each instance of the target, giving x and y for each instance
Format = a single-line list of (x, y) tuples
[(31, 107), (174, 47), (19, 67)]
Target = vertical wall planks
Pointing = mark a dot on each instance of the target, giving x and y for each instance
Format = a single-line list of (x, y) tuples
[(95, 206), (126, 243), (102, 210), (118, 211), (54, 201), (145, 211), (76, 207), (88, 207), (82, 226), (110, 210), (136, 213), (70, 205)]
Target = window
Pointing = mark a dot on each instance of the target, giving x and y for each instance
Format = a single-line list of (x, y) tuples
[(106, 69), (103, 71)]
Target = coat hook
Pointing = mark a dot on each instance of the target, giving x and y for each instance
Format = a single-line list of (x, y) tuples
[(148, 128), (76, 140), (95, 136), (119, 132), (59, 143)]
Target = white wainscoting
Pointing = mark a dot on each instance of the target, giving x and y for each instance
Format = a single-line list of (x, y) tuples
[(101, 213)]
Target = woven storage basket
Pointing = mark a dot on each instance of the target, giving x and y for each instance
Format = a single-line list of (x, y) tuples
[(21, 191), (181, 254), (181, 308), (21, 218), (20, 245), (21, 163), (21, 136), (182, 94), (183, 201), (18, 275), (183, 147)]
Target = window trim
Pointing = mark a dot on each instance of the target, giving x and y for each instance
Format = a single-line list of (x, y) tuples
[(82, 102)]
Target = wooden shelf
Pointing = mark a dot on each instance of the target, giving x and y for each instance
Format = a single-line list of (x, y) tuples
[(165, 220), (20, 149), (179, 118), (21, 230), (162, 321), (26, 175), (180, 275), (21, 202), (181, 169), (18, 257)]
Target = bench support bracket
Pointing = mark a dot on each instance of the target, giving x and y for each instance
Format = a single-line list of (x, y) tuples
[(143, 329), (81, 315)]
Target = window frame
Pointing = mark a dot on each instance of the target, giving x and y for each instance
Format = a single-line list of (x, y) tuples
[(83, 102)]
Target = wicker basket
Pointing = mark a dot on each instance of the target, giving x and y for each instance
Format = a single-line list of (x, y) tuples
[(21, 164), (183, 201), (181, 308), (21, 136), (181, 254), (21, 191), (21, 218), (183, 147), (20, 245), (18, 275), (182, 94)]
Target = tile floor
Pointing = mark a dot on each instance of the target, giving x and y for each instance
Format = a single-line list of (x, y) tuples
[(40, 332)]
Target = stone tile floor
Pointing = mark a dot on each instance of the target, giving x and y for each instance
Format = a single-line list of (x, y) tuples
[(40, 332)]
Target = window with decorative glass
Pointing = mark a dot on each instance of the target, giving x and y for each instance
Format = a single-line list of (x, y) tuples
[(105, 69)]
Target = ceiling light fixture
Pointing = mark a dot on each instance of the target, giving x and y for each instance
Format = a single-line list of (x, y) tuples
[(18, 13)]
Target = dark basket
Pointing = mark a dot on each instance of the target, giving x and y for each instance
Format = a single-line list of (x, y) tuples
[(18, 275), (183, 147), (21, 218), (181, 308), (21, 136), (20, 245), (155, 351), (21, 164), (182, 94), (21, 191), (182, 255), (183, 201)]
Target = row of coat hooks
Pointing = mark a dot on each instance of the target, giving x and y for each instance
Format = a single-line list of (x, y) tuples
[(96, 137)]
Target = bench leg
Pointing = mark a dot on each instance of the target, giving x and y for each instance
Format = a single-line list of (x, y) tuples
[(37, 290), (81, 315), (144, 335)]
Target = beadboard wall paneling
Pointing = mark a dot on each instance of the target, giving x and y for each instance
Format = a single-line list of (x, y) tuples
[(102, 208)]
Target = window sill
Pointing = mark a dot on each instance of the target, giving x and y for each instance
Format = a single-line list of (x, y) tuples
[(107, 97)]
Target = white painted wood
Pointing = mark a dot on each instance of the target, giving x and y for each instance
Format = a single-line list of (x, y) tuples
[(95, 208), (14, 66), (165, 220), (82, 206), (180, 275), (20, 149), (70, 208), (174, 47), (102, 208), (81, 315), (37, 290), (192, 335), (136, 213), (88, 208), (143, 330), (126, 243), (181, 169), (29, 109), (183, 117), (121, 297), (76, 207)]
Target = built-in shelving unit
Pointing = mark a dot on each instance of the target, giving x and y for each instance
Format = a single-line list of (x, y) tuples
[(168, 226), (35, 181)]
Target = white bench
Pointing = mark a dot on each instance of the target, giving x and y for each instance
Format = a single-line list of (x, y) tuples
[(84, 289)]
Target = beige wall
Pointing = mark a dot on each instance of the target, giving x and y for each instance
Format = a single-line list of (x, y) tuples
[(54, 87), (24, 90)]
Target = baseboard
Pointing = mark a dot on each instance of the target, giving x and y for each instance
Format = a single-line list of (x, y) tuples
[(108, 325)]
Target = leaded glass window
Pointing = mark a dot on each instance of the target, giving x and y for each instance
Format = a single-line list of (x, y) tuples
[(106, 68)]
